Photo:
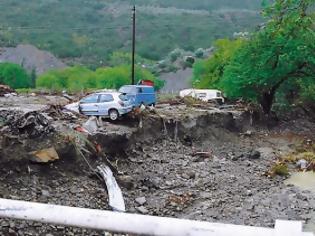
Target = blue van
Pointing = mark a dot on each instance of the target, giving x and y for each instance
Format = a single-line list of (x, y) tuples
[(139, 94)]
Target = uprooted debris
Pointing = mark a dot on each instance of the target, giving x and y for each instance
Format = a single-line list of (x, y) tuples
[(4, 90), (30, 125), (92, 124), (57, 112)]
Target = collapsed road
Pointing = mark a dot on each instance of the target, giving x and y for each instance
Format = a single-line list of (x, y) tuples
[(188, 162)]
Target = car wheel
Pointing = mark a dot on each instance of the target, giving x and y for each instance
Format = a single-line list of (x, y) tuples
[(113, 114)]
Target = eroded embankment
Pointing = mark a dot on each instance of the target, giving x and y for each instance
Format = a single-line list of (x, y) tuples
[(160, 171)]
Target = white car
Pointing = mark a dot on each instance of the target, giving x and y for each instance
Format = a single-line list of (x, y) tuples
[(106, 104), (205, 95)]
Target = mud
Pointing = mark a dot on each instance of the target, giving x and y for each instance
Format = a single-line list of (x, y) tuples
[(160, 173)]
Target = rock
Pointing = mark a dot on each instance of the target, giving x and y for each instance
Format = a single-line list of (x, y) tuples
[(45, 193), (141, 200), (45, 155), (253, 155), (142, 210), (12, 232), (236, 158), (5, 224), (127, 182), (191, 174)]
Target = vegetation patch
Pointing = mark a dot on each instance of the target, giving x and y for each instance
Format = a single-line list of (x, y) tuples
[(76, 79)]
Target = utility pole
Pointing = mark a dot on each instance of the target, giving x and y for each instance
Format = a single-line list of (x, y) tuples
[(133, 44)]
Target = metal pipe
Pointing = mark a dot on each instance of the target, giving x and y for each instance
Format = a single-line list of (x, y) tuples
[(123, 222)]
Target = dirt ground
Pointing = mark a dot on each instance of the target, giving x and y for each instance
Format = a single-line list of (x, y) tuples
[(161, 173)]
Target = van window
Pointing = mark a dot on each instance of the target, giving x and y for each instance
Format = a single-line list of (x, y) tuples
[(201, 95), (106, 98), (90, 99), (219, 94), (127, 89)]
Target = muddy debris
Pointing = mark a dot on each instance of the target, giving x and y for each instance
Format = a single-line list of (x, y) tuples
[(6, 90), (156, 168), (27, 125)]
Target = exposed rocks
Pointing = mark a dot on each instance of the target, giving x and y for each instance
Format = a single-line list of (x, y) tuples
[(253, 155), (141, 200), (142, 210)]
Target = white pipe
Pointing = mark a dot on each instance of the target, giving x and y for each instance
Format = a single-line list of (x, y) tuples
[(122, 222), (116, 199)]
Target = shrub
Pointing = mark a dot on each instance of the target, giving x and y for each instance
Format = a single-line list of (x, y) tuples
[(78, 78), (14, 75), (280, 169)]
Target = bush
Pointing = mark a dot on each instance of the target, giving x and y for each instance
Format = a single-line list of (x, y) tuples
[(199, 53), (280, 169), (15, 76), (77, 78), (175, 54)]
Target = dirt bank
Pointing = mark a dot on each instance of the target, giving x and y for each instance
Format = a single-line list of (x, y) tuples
[(184, 162)]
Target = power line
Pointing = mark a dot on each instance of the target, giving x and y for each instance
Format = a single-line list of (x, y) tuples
[(46, 28), (31, 28)]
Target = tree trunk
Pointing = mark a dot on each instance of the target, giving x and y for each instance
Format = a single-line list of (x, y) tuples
[(266, 101)]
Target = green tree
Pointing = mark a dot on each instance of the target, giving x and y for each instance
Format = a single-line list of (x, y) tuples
[(112, 78), (282, 51), (207, 73), (51, 80), (14, 75)]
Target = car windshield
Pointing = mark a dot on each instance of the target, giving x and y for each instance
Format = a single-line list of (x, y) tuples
[(127, 89)]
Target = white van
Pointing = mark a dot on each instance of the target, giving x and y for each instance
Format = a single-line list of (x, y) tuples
[(205, 95)]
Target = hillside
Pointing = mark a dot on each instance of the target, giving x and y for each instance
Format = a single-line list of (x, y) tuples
[(31, 58), (88, 32)]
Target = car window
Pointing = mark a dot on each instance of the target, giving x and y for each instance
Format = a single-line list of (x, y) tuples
[(123, 97), (90, 99), (140, 90), (106, 98)]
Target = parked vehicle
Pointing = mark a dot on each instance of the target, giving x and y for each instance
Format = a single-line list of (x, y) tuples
[(139, 94), (107, 104), (206, 95)]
